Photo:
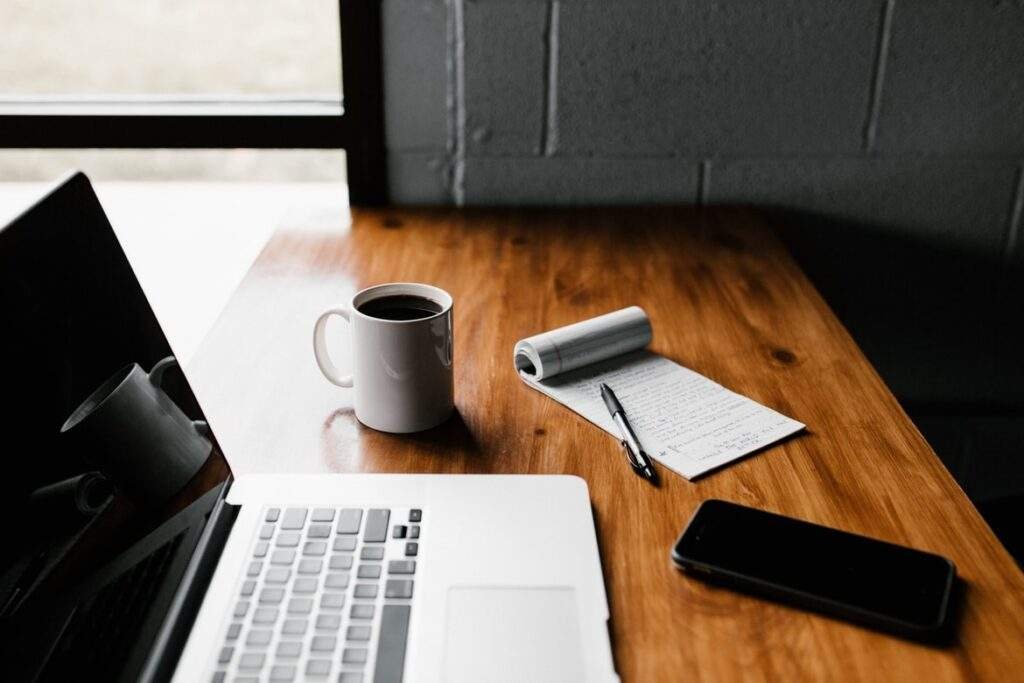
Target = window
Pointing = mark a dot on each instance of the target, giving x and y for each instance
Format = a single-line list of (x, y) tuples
[(259, 74), (180, 49), (219, 165)]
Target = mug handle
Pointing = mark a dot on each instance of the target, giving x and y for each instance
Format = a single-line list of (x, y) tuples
[(156, 375), (323, 358), (156, 378)]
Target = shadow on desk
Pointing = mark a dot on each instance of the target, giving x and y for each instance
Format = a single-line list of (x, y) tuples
[(940, 322), (452, 435)]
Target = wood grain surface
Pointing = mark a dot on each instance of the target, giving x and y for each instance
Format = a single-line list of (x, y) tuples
[(726, 300)]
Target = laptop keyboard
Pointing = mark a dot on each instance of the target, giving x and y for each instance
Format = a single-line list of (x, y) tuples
[(326, 595)]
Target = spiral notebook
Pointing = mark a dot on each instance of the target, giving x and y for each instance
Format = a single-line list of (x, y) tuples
[(684, 420)]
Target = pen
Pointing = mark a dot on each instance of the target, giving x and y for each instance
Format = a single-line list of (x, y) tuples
[(638, 460)]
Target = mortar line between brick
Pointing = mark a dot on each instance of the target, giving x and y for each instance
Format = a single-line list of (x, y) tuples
[(548, 130), (450, 97), (878, 76), (1016, 216), (702, 182), (459, 49)]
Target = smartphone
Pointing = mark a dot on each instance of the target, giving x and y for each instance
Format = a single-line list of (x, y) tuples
[(877, 584)]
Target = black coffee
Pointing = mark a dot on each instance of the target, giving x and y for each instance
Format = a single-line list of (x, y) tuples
[(400, 307)]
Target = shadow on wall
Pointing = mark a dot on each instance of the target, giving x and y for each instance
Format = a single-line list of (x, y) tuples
[(944, 326)]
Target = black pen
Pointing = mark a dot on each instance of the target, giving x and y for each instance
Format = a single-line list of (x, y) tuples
[(638, 460)]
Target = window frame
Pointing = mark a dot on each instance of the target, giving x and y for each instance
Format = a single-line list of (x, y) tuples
[(356, 125)]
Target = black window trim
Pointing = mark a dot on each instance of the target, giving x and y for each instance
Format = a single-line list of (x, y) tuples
[(356, 125)]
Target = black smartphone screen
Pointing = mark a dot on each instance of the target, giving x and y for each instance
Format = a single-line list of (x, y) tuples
[(827, 569)]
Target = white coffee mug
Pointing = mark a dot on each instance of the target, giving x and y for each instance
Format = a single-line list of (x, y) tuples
[(401, 369)]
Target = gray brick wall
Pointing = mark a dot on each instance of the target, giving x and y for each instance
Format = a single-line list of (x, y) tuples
[(710, 78), (945, 202), (888, 133), (954, 80), (901, 114)]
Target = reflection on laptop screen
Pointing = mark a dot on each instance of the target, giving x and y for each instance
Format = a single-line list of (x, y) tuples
[(95, 401)]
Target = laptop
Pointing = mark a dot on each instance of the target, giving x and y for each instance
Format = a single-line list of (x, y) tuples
[(334, 577)]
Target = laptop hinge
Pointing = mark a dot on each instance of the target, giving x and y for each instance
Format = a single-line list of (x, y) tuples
[(177, 623)]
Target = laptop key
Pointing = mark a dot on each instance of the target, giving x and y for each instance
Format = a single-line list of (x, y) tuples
[(414, 531), (272, 514), (265, 615), (259, 636), (350, 677), (398, 588), (412, 549), (241, 609), (324, 643), (248, 587), (376, 526), (337, 580), (341, 562), (219, 677), (328, 622), (349, 521), (234, 630), (323, 515), (271, 596), (225, 655), (319, 531), (255, 568), (344, 544), (402, 567), (415, 515), (305, 585), (282, 672), (282, 557), (368, 571), (289, 648), (318, 667), (251, 660), (294, 518), (267, 531), (366, 590), (331, 601), (354, 655), (362, 611), (278, 575), (294, 627), (261, 549), (288, 539), (372, 552), (394, 632), (399, 531), (300, 605), (310, 566), (357, 633), (314, 548)]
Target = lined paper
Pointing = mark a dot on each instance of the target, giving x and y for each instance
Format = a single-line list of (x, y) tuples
[(684, 420)]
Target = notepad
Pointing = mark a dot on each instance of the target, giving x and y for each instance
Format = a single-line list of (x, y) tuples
[(684, 420)]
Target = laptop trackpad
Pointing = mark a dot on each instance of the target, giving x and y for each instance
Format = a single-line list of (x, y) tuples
[(512, 634)]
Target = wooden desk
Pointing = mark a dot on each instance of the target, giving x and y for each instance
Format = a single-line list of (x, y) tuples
[(725, 299)]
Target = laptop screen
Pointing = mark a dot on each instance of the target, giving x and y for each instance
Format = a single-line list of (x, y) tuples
[(95, 403)]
